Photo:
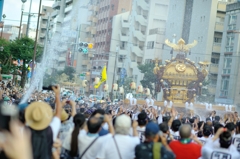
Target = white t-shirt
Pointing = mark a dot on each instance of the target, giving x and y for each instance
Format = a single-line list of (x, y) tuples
[(84, 141), (126, 145), (55, 126), (141, 133), (236, 141), (66, 144), (203, 139), (175, 135), (212, 151)]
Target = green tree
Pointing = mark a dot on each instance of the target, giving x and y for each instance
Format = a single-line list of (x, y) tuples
[(6, 57), (23, 49), (148, 78), (126, 85), (69, 71)]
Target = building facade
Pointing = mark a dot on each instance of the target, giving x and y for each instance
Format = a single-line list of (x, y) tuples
[(228, 85), (46, 14), (188, 21)]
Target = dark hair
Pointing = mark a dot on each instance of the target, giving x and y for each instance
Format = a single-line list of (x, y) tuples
[(142, 119), (94, 124), (164, 127), (207, 130), (225, 139), (78, 120), (216, 127), (166, 118), (200, 124), (98, 111), (217, 118), (176, 124), (230, 126)]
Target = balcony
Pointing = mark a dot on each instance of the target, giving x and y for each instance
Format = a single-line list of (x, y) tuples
[(213, 68), (96, 8), (219, 26), (44, 17), (68, 9), (123, 37), (61, 59), (217, 47), (139, 35), (69, 1), (55, 13), (44, 26), (123, 52), (133, 64), (143, 4), (90, 18), (93, 31), (42, 35), (94, 20), (221, 6), (125, 24), (55, 5), (141, 20), (138, 52)]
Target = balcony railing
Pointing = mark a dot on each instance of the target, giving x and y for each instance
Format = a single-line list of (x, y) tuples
[(158, 31)]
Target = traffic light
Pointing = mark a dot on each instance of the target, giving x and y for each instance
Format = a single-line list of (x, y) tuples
[(84, 47)]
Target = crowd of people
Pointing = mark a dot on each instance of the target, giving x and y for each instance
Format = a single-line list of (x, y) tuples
[(50, 125)]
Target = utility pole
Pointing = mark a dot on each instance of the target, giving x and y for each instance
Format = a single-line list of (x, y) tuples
[(36, 38), (29, 17), (20, 26)]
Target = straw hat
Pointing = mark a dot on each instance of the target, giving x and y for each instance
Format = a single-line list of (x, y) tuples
[(64, 115), (38, 115)]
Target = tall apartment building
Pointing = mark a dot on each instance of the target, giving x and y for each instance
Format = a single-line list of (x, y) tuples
[(188, 21), (62, 15), (46, 13), (103, 12), (228, 85), (137, 36)]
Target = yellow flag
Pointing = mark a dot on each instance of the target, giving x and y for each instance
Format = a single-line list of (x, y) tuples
[(103, 77)]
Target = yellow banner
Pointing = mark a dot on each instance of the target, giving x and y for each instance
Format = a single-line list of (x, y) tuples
[(103, 77)]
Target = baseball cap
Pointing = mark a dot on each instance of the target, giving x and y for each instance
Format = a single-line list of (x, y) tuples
[(151, 129), (123, 121)]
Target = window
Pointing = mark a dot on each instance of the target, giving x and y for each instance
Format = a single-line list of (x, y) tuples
[(217, 40), (150, 45), (230, 40), (112, 7), (123, 10), (215, 60), (224, 86), (148, 61), (227, 64), (220, 19), (232, 19)]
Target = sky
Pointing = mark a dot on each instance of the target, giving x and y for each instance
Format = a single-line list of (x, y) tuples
[(12, 10)]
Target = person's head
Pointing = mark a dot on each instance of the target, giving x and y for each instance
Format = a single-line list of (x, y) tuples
[(122, 124), (98, 112), (185, 131), (142, 119), (225, 139), (207, 131), (94, 124), (216, 127), (217, 118), (175, 125), (231, 127), (164, 127), (151, 132)]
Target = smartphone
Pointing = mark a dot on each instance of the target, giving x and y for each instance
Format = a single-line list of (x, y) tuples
[(49, 88), (7, 112)]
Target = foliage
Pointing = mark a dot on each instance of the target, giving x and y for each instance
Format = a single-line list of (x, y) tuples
[(69, 71), (23, 49), (126, 85), (49, 80), (148, 78)]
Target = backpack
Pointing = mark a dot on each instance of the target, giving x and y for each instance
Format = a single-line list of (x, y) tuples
[(157, 150)]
